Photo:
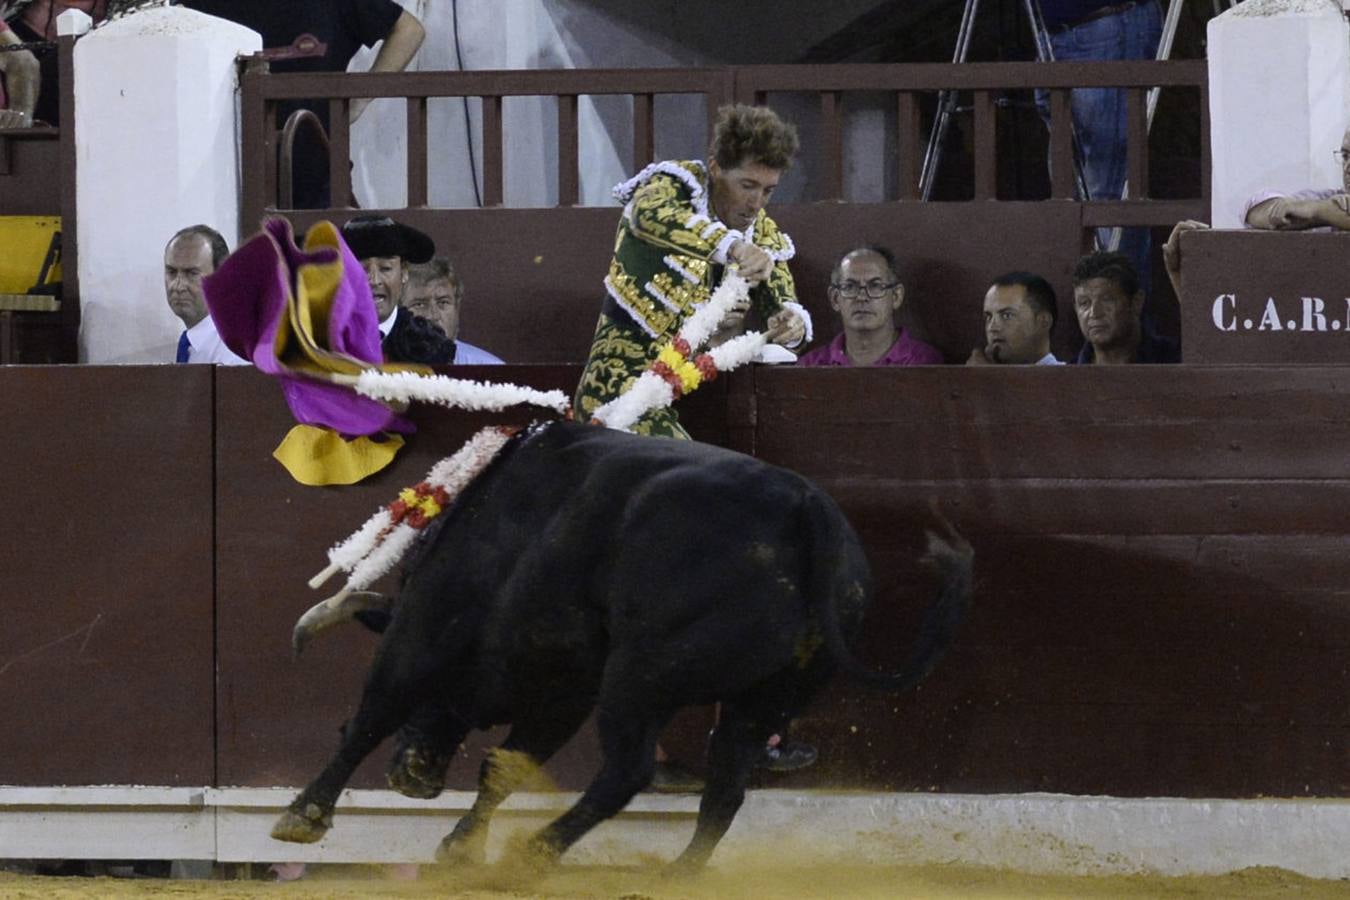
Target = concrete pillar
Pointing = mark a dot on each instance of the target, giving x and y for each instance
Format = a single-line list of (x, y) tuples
[(157, 148), (1279, 85)]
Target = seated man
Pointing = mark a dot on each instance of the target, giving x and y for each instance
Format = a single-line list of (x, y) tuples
[(191, 255), (1328, 208), (19, 78), (436, 293), (385, 248), (866, 292), (1110, 305), (1019, 313)]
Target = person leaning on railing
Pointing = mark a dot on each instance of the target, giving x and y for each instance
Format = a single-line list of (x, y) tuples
[(344, 27), (20, 75), (36, 23), (1328, 208)]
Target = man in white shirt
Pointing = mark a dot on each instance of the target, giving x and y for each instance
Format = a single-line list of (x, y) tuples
[(1019, 313), (191, 255)]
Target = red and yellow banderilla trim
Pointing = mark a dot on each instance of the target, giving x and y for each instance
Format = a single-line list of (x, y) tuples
[(418, 505), (673, 366)]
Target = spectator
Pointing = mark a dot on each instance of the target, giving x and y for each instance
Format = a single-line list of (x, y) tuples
[(1172, 251), (191, 255), (1020, 310), (20, 76), (436, 293), (37, 22), (385, 248), (683, 222), (1110, 304), (344, 26), (1103, 30), (866, 292), (1327, 209)]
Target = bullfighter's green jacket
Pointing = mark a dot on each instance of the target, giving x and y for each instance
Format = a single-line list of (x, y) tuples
[(669, 254)]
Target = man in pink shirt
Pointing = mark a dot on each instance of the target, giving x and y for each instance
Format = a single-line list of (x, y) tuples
[(866, 292)]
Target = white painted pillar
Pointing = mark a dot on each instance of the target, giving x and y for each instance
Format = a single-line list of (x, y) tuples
[(157, 151), (1279, 85)]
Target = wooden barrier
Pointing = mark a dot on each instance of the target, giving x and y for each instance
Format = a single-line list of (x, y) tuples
[(1159, 607), (1266, 297)]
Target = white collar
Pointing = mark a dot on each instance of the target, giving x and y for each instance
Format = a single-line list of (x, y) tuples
[(388, 324)]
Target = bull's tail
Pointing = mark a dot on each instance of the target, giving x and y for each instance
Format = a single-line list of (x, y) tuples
[(948, 553)]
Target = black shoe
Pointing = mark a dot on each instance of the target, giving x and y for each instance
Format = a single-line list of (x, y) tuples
[(670, 778), (787, 756)]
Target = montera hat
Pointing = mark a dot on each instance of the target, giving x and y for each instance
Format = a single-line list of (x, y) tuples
[(369, 236)]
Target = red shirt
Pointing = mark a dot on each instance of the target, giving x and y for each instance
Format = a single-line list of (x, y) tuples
[(906, 351)]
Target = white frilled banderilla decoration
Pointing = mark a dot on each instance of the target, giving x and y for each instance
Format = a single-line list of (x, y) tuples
[(380, 544)]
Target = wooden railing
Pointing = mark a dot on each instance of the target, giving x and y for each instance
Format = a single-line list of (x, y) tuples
[(906, 83)]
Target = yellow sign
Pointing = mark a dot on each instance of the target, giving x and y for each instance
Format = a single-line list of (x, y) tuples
[(25, 242)]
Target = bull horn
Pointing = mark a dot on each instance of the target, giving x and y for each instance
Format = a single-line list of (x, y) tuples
[(336, 609)]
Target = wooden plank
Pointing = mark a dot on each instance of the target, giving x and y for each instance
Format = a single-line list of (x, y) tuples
[(1062, 180), (106, 574), (1265, 298), (970, 76), (417, 151), (986, 147), (257, 153), (1136, 142), (492, 151), (644, 131), (1052, 505), (908, 146), (569, 176), (831, 145), (339, 153)]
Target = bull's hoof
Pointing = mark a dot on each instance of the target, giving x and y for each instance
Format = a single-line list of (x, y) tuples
[(302, 828), (418, 773), (458, 850)]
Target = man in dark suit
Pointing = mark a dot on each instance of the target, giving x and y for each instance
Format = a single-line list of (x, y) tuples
[(385, 249)]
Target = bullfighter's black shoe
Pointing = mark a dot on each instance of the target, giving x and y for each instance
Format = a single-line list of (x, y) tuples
[(787, 756)]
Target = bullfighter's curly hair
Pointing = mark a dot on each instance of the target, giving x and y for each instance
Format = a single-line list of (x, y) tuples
[(753, 134), (1115, 267)]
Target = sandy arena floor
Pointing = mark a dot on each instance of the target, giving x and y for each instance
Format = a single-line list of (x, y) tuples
[(720, 883)]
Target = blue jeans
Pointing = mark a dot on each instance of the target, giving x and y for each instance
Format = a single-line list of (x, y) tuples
[(1099, 113)]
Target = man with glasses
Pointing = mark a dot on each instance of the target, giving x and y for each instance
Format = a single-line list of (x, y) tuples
[(1327, 209), (867, 293)]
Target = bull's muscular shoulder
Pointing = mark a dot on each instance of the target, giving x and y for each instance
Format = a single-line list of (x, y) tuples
[(618, 461)]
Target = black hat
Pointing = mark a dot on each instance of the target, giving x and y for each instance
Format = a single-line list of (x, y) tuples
[(381, 236)]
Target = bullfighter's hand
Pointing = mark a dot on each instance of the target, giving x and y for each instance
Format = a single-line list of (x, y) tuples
[(15, 118), (754, 263), (785, 327)]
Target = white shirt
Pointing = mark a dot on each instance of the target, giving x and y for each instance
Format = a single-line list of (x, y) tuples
[(207, 347), (1049, 360)]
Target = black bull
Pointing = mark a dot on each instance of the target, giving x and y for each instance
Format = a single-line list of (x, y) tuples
[(587, 569)]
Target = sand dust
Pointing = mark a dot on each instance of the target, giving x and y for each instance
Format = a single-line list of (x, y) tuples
[(719, 883)]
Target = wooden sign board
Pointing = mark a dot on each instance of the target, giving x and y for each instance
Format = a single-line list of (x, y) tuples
[(1265, 297)]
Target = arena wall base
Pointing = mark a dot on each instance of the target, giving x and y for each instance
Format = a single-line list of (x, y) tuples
[(1043, 833)]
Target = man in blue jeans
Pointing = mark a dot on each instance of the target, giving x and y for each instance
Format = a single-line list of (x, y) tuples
[(1104, 30)]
